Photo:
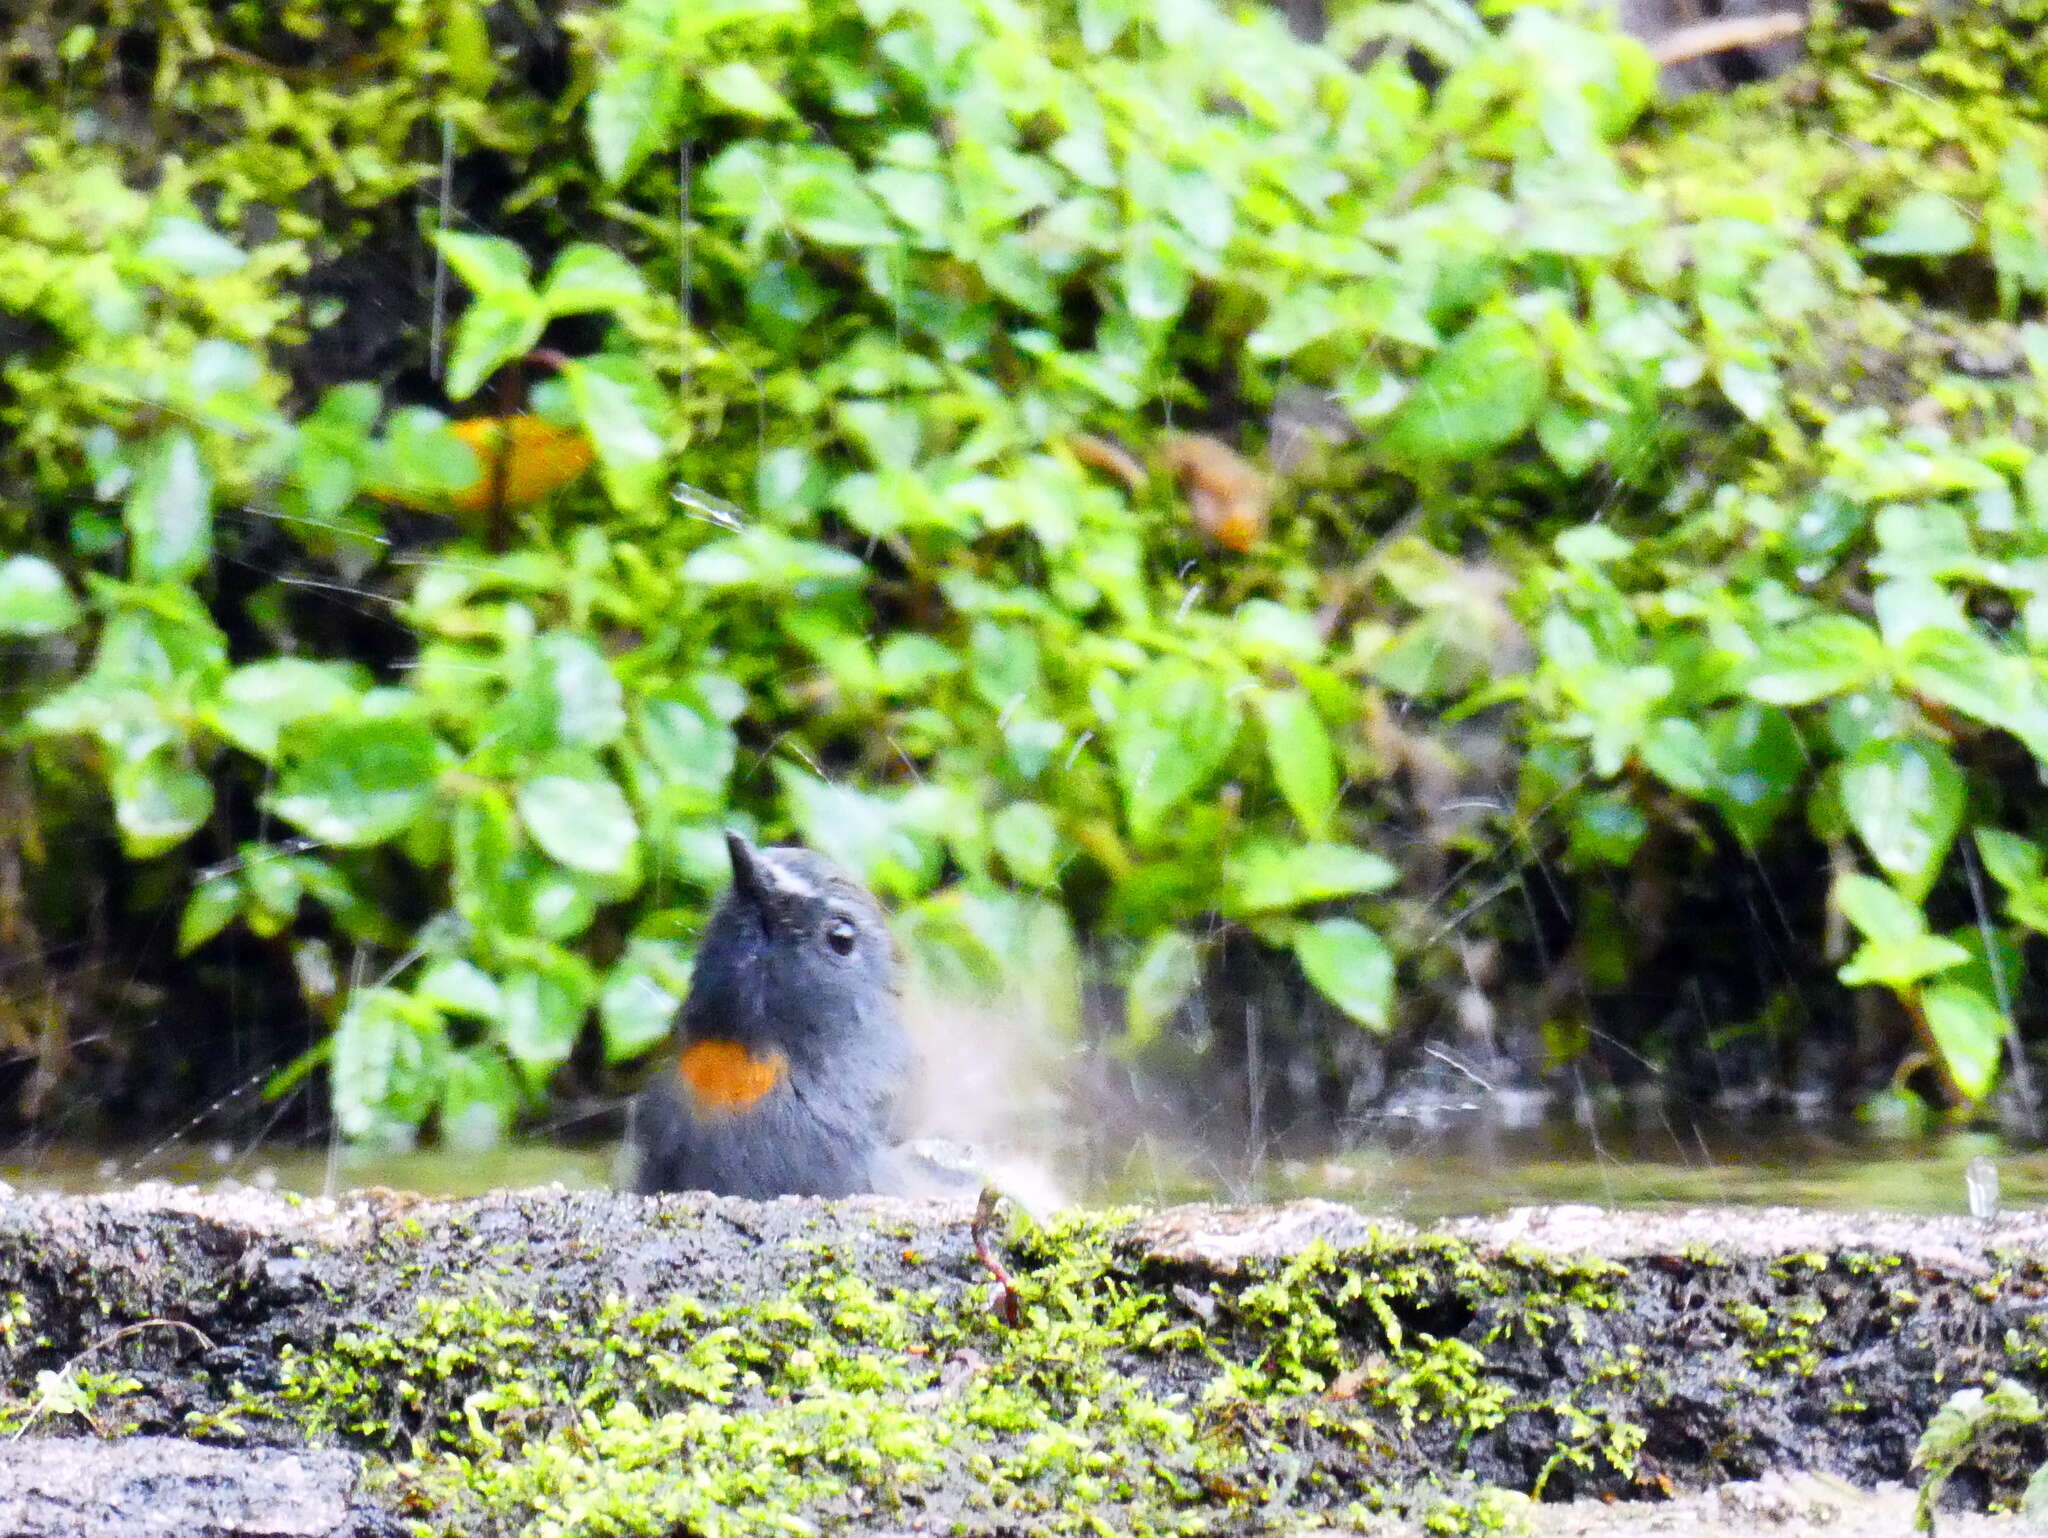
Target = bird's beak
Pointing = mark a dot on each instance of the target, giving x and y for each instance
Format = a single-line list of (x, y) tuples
[(748, 879)]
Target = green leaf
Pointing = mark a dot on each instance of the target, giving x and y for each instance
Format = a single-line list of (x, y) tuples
[(2034, 1499), (159, 802), (584, 824), (193, 249), (1102, 22), (565, 696), (1169, 970), (544, 1008), (1905, 606), (1606, 829), (491, 864), (493, 331), (258, 701), (2013, 862), (1829, 654), (620, 404), (1924, 224), (637, 1014), (585, 702), (1269, 629), (1174, 729), (1479, 393), (490, 265), (355, 914), (33, 598), (870, 835), (1678, 753), (1591, 545), (587, 277), (1267, 876), (459, 987), (1573, 438), (556, 903), (388, 1059), (211, 908), (169, 511), (1755, 392), (686, 747), (272, 879), (1970, 1032), (632, 112), (828, 202), (356, 782), (126, 717), (740, 87), (419, 461), (917, 200), (773, 562), (641, 999), (1965, 672), (943, 943), (1901, 965), (909, 661), (694, 23), (1758, 765), (480, 1096), (1350, 966), (1304, 760), (1878, 912), (1025, 836), (1904, 797), (1155, 277), (1897, 951), (1005, 665)]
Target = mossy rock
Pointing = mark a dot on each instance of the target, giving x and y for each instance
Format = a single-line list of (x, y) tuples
[(574, 1362)]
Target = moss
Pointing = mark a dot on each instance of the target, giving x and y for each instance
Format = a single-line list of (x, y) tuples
[(1784, 1337), (2026, 1346), (1320, 1381), (298, 117), (837, 1396), (569, 1362)]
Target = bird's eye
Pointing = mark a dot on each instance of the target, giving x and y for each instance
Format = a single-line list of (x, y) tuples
[(840, 935)]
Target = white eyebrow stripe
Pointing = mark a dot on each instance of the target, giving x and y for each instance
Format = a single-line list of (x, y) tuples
[(783, 879)]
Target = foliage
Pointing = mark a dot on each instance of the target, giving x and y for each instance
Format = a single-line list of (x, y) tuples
[(1967, 1429), (867, 272)]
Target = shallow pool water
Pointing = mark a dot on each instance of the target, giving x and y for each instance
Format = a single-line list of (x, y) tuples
[(1419, 1175)]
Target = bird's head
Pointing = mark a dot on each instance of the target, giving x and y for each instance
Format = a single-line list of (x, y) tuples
[(797, 958)]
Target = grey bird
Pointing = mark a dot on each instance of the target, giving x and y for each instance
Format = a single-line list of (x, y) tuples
[(791, 1065)]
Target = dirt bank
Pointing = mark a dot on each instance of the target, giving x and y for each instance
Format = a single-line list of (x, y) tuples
[(557, 1362)]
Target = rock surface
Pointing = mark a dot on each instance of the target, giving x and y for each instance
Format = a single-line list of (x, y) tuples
[(1782, 1506), (667, 1359), (159, 1487)]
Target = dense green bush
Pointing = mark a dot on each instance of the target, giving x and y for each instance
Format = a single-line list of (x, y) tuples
[(830, 289)]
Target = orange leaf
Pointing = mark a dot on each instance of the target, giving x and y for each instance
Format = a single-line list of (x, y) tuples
[(1227, 496), (1111, 458), (523, 458)]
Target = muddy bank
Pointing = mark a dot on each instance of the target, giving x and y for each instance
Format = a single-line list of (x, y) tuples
[(555, 1362)]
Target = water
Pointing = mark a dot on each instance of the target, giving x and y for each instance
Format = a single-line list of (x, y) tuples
[(1419, 1177)]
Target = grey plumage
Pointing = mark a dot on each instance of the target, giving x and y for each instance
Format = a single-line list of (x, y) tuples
[(796, 969)]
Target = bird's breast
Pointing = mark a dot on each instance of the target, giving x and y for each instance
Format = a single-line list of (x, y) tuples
[(723, 1078)]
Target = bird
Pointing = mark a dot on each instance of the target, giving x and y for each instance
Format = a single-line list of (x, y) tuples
[(790, 1068)]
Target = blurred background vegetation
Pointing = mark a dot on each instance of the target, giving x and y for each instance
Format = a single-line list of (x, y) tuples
[(1393, 569)]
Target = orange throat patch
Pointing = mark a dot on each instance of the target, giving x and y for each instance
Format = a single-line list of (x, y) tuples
[(723, 1077)]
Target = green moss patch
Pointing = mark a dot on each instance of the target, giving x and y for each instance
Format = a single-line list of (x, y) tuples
[(576, 1363)]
